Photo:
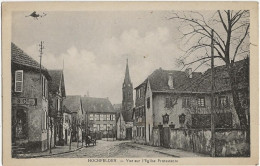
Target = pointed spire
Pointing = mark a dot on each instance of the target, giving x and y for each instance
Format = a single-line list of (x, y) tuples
[(127, 75)]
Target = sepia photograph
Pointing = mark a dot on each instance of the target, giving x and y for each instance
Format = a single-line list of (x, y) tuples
[(140, 86)]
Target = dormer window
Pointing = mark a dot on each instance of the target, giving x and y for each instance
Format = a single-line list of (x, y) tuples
[(188, 72), (170, 81)]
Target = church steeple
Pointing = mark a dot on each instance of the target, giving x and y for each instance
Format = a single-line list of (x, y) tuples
[(127, 90), (127, 75)]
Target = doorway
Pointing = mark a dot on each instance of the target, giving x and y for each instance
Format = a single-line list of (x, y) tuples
[(20, 126)]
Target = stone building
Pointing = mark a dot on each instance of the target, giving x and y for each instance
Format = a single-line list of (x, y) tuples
[(181, 99), (100, 117), (125, 117), (57, 93), (29, 102)]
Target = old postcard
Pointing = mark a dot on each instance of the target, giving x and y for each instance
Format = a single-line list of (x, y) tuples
[(130, 83)]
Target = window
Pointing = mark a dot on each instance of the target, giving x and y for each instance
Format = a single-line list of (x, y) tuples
[(98, 127), (97, 117), (186, 102), (111, 127), (105, 117), (143, 132), (148, 102), (44, 87), (223, 101), (101, 116), (91, 117), (58, 104), (18, 81), (201, 101), (170, 102), (105, 127), (114, 117), (216, 102), (44, 120), (108, 117)]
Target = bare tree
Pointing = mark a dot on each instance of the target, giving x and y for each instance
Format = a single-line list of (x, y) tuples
[(231, 40)]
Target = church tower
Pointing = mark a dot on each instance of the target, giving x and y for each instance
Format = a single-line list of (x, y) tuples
[(127, 90)]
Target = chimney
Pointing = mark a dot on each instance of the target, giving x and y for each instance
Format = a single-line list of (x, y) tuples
[(170, 81), (188, 72)]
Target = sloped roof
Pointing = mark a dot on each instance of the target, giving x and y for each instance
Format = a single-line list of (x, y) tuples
[(143, 83), (66, 110), (181, 82), (99, 105), (222, 80), (117, 107), (72, 103), (200, 82), (57, 80), (19, 57)]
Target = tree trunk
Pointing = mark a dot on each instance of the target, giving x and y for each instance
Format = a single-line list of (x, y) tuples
[(241, 112), (237, 104)]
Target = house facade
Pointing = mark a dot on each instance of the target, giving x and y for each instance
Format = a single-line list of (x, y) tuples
[(73, 103), (139, 114), (66, 126), (29, 102), (100, 117), (57, 93), (182, 99)]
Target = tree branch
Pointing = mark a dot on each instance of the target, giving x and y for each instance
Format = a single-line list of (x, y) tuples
[(241, 41), (222, 21)]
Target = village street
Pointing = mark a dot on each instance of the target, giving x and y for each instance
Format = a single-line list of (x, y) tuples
[(108, 149)]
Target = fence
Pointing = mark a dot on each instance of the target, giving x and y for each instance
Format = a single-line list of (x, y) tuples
[(229, 142)]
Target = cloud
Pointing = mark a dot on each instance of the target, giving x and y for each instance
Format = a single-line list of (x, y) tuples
[(100, 70)]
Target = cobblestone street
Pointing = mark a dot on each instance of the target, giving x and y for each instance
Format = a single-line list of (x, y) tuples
[(106, 149)]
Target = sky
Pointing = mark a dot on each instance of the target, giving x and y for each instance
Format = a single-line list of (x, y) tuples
[(95, 45)]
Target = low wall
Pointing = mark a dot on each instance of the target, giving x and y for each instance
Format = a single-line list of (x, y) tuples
[(191, 140), (229, 143)]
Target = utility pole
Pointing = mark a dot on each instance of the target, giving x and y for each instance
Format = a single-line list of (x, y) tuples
[(213, 146), (41, 53)]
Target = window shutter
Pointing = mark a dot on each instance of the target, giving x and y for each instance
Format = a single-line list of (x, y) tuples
[(19, 81), (46, 88), (183, 102)]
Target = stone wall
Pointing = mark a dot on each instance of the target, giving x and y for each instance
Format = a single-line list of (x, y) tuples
[(229, 142), (191, 140)]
